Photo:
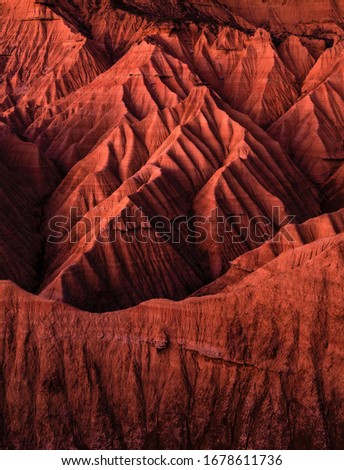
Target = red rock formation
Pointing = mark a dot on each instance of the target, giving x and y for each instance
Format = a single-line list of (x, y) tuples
[(264, 365), (119, 119)]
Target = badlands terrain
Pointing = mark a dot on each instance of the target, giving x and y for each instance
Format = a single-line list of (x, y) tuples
[(120, 328)]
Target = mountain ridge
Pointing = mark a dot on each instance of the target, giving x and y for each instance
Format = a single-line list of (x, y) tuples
[(171, 224)]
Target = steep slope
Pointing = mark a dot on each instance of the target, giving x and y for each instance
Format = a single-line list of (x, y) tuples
[(181, 160), (186, 176), (43, 60), (164, 375), (121, 134), (141, 82), (290, 247), (279, 14), (316, 144), (244, 68), (26, 180), (297, 57)]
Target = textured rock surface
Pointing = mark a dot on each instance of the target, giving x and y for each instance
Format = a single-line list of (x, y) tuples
[(130, 111), (251, 369)]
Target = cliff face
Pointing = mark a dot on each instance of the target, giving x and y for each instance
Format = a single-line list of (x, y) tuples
[(255, 367), (119, 118)]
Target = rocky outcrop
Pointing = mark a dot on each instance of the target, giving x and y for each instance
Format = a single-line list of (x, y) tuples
[(255, 368), (128, 130)]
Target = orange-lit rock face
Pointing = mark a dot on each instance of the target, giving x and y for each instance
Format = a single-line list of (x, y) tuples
[(155, 152)]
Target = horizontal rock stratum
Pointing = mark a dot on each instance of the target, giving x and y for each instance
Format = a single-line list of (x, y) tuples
[(172, 224)]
